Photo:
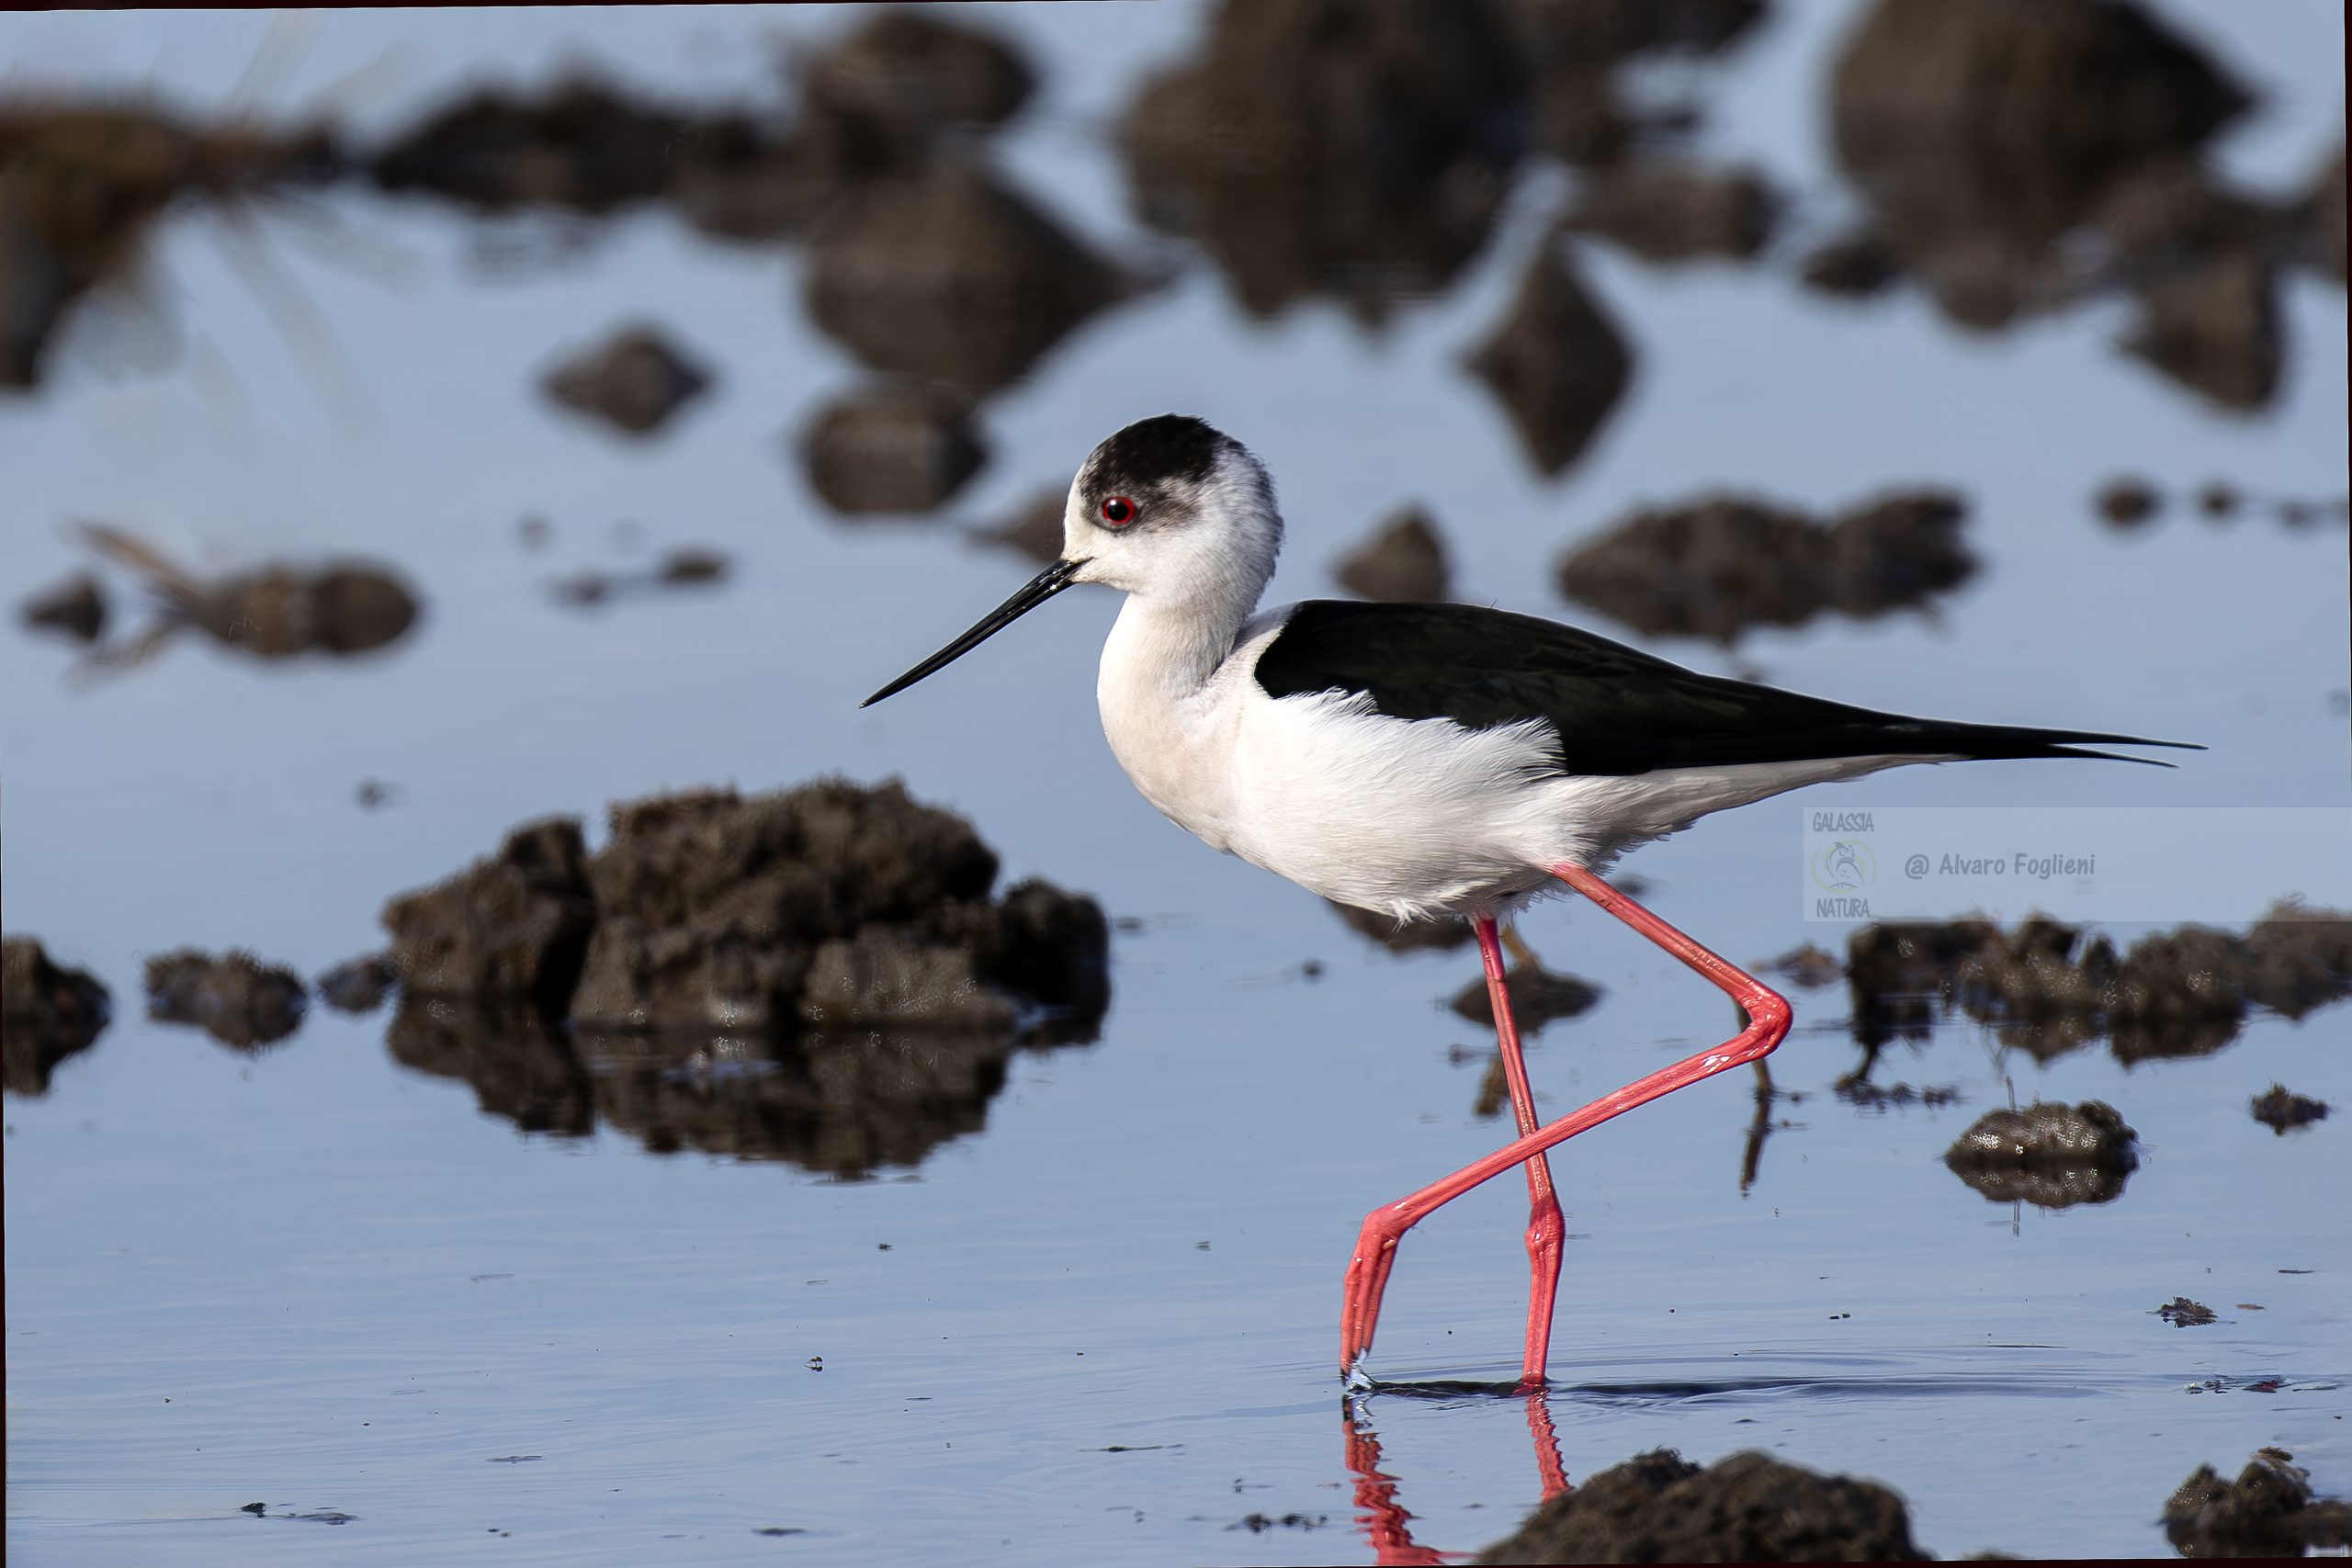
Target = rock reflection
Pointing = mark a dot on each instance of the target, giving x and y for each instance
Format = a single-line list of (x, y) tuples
[(2048, 1155), (47, 1012), (1386, 1524)]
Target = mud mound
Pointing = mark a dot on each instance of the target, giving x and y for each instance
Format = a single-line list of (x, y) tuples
[(1555, 359), (1749, 1508), (235, 997), (1716, 567), (635, 380), (1402, 563), (1354, 148), (817, 974), (2048, 1155), (2269, 1511), (47, 1012)]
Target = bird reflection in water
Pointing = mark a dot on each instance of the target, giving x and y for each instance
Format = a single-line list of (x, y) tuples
[(1385, 1522)]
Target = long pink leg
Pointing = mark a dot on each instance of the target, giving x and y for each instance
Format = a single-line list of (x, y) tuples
[(1768, 1024), (1545, 1226)]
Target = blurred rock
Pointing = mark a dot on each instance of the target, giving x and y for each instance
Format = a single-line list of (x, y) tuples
[(75, 608), (1750, 1507), (2182, 1313), (1578, 46), (1403, 563), (582, 146), (1983, 131), (2128, 502), (509, 932), (2218, 500), (47, 1012), (894, 447), (1718, 565), (1670, 213), (2048, 1155), (2281, 1109), (359, 985), (1854, 266), (2214, 328), (948, 274), (1036, 530), (1441, 935), (81, 183), (1556, 361), (635, 380), (903, 74), (235, 997), (1352, 149), (2326, 205), (1808, 968), (521, 1068), (1538, 997), (2269, 1511), (278, 612), (689, 566)]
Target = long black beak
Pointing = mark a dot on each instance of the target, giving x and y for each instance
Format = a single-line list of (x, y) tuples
[(1042, 587)]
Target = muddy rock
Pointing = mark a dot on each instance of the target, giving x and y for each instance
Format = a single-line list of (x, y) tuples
[(509, 931), (1035, 530), (2280, 1109), (1445, 934), (1555, 359), (1538, 997), (359, 985), (1750, 1507), (75, 608), (1668, 212), (1854, 266), (1354, 148), (2269, 1511), (1716, 567), (948, 274), (891, 448), (635, 380), (1983, 131), (47, 1012), (2049, 1155), (2182, 1313), (1404, 562), (342, 608), (2128, 502), (235, 997)]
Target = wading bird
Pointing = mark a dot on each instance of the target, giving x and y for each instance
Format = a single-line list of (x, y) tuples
[(1421, 760)]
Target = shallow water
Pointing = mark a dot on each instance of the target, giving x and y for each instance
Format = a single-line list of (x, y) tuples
[(1103, 1328)]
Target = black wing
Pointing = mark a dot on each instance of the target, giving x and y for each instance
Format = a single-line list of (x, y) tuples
[(1618, 710)]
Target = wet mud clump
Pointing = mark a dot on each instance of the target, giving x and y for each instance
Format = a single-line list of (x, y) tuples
[(47, 1012), (1555, 359), (2049, 987), (2280, 1109), (2269, 1511), (75, 608), (359, 985), (82, 183), (342, 608), (818, 975), (1403, 563), (2048, 1155), (948, 274), (1538, 997), (892, 448), (1351, 150), (1750, 1507), (1673, 212), (1716, 567), (635, 381), (235, 997)]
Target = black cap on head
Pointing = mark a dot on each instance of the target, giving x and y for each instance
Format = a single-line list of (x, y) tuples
[(1153, 452)]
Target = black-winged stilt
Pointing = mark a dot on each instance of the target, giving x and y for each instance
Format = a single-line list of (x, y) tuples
[(1430, 758)]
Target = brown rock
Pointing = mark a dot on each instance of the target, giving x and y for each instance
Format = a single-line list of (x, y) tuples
[(1555, 360), (47, 1012), (892, 448), (235, 997), (1664, 212), (508, 931), (2269, 1511), (1402, 563), (635, 381), (2048, 1155)]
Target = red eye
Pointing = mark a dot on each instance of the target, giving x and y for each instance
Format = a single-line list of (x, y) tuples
[(1118, 512)]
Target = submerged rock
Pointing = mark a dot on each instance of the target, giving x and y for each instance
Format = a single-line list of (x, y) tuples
[(75, 608), (47, 1012), (2048, 1155), (1555, 359), (235, 997), (2269, 1511), (949, 274), (1750, 1507), (893, 448), (1404, 562), (1355, 149), (635, 380), (1716, 567)]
